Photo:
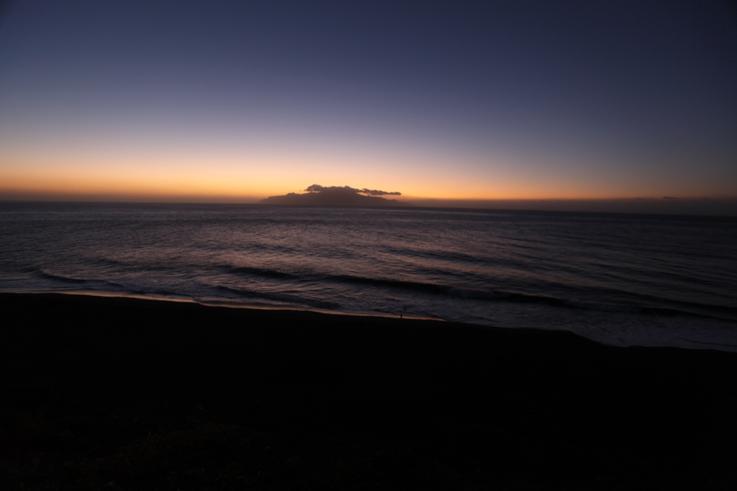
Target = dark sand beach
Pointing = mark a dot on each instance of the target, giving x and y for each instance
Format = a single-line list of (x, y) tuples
[(119, 393)]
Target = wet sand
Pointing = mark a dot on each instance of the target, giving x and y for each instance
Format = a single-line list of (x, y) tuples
[(137, 394)]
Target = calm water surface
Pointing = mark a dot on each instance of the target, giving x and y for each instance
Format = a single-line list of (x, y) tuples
[(623, 279)]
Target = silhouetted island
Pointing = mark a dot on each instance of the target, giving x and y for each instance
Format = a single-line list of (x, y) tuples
[(317, 195)]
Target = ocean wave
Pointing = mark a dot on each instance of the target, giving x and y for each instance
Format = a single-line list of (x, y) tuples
[(673, 312), (596, 299), (260, 272), (283, 298), (61, 277), (389, 283), (437, 254), (452, 291), (639, 301), (691, 309), (89, 284), (636, 302)]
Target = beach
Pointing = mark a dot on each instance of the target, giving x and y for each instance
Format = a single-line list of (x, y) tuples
[(123, 393)]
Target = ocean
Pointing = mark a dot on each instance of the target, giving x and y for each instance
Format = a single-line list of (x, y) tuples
[(618, 279)]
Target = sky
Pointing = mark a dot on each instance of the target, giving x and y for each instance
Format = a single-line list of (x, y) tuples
[(238, 100)]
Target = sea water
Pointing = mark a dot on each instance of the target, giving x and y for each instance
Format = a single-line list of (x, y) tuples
[(620, 279)]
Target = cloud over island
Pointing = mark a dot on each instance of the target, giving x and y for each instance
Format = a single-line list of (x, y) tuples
[(318, 195)]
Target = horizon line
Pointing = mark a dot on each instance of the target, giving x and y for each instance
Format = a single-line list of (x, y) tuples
[(22, 195), (726, 206)]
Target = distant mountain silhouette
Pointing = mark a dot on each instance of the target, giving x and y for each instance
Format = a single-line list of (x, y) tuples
[(317, 195)]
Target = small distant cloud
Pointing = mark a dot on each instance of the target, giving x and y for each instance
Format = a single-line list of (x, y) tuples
[(379, 192), (317, 188)]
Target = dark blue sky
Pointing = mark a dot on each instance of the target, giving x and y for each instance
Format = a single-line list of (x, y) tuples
[(617, 98)]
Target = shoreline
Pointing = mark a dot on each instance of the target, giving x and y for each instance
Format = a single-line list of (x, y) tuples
[(215, 303), (230, 305)]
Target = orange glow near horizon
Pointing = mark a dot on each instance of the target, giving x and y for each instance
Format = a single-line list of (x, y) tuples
[(247, 183), (234, 187), (155, 183), (253, 175)]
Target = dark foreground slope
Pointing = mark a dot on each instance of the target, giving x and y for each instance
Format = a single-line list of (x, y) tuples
[(129, 394)]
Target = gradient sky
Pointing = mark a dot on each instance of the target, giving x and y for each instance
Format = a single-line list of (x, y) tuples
[(463, 100)]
